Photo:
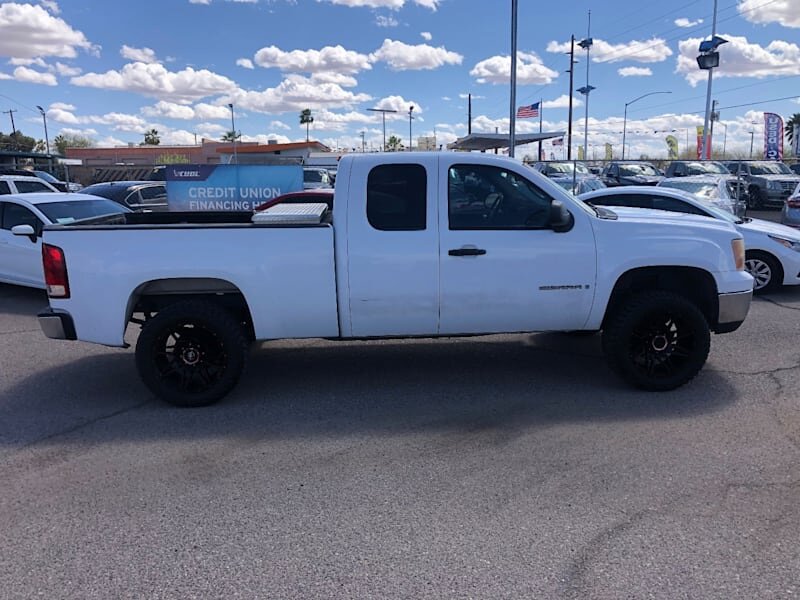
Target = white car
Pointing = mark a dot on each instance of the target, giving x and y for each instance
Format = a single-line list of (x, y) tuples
[(22, 217), (718, 190), (772, 250), (22, 184)]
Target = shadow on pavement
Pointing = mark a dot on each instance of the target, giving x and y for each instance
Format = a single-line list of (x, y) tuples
[(18, 300), (322, 388)]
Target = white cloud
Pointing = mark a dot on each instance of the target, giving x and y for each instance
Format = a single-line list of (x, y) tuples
[(635, 72), (386, 21), (646, 51), (684, 22), (403, 57), (334, 59), (464, 96), (740, 58), (31, 76), (562, 102), (177, 137), (62, 113), (337, 78), (245, 62), (279, 125), (400, 104), (390, 4), (28, 62), (262, 138), (67, 70), (497, 70), (145, 55), (296, 92), (206, 2), (169, 110), (426, 36), (5, 76), (211, 111), (783, 12), (62, 106), (120, 122), (88, 132), (110, 141), (51, 5), (156, 81), (27, 31)]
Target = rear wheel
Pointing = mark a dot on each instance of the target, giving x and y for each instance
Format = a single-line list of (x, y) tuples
[(755, 198), (657, 340), (765, 269), (191, 353)]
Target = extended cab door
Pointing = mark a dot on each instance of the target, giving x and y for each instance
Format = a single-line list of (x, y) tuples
[(503, 269), (392, 247)]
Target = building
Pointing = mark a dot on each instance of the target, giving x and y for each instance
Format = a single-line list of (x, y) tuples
[(249, 154)]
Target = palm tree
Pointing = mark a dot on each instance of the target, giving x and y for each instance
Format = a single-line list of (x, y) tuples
[(151, 138), (231, 136), (306, 119), (793, 121)]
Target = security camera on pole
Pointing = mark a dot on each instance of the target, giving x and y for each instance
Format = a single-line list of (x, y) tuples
[(707, 61)]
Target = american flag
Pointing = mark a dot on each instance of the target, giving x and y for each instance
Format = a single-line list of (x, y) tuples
[(558, 142), (528, 112)]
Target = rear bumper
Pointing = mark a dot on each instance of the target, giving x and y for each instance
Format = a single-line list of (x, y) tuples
[(733, 309), (57, 324)]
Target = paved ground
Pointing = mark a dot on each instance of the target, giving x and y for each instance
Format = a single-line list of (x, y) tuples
[(498, 467)]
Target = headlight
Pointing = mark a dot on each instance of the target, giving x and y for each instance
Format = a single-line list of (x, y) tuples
[(791, 244), (773, 185), (737, 246)]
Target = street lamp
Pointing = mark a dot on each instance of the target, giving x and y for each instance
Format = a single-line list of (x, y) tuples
[(44, 117), (707, 61), (233, 129), (410, 118), (625, 119), (383, 112), (586, 44)]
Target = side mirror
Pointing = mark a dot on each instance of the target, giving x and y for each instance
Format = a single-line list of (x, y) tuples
[(561, 220), (25, 230)]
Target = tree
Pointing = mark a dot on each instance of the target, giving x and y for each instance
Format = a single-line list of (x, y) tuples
[(151, 138), (71, 140), (231, 136), (394, 143), (21, 142), (306, 119), (789, 128)]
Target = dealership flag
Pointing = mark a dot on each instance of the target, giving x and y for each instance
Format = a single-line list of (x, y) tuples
[(528, 112), (773, 137)]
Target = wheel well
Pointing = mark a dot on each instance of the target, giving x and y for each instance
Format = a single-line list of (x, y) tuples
[(153, 296), (694, 284)]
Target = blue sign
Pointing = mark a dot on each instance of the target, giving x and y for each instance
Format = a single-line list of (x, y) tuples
[(229, 187)]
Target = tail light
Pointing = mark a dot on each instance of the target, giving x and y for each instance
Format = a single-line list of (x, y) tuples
[(55, 271), (793, 202)]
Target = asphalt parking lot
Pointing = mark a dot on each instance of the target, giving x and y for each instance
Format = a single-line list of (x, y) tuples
[(494, 467)]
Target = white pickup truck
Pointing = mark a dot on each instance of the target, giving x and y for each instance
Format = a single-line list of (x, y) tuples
[(429, 244)]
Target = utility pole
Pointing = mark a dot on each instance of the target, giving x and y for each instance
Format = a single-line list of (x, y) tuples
[(10, 112), (714, 117), (570, 71), (541, 110), (383, 112), (363, 146)]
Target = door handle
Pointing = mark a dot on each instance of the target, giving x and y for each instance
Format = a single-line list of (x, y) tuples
[(466, 252)]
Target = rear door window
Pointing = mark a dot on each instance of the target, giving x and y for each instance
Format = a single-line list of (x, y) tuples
[(397, 197), (4, 189), (30, 187)]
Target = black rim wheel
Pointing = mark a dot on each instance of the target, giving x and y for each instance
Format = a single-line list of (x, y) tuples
[(189, 357), (661, 345)]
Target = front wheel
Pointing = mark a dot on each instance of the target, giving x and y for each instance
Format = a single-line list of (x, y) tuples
[(191, 353), (657, 340), (765, 269)]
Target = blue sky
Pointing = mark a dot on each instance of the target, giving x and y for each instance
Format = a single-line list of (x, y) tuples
[(112, 70)]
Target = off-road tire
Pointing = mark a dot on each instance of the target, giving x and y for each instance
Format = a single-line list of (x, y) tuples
[(657, 340)]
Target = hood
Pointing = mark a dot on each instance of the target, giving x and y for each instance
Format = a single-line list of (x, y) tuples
[(770, 228), (650, 215)]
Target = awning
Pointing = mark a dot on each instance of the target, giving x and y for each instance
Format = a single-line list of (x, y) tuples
[(490, 141)]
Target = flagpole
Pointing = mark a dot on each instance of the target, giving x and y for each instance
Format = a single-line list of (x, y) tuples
[(541, 108)]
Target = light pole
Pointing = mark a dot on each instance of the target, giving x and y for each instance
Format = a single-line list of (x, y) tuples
[(410, 118), (707, 61), (233, 130), (363, 148), (586, 90), (724, 139), (512, 113), (383, 112), (625, 119), (44, 118)]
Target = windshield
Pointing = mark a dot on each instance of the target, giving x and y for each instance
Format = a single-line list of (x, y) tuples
[(641, 169), (67, 212), (315, 177), (704, 190), (698, 168), (46, 176), (567, 168), (770, 168)]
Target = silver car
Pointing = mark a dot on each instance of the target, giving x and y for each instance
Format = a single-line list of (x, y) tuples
[(723, 191), (791, 209)]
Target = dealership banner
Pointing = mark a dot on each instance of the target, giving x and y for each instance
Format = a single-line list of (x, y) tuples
[(229, 187), (700, 144), (773, 137), (672, 147)]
